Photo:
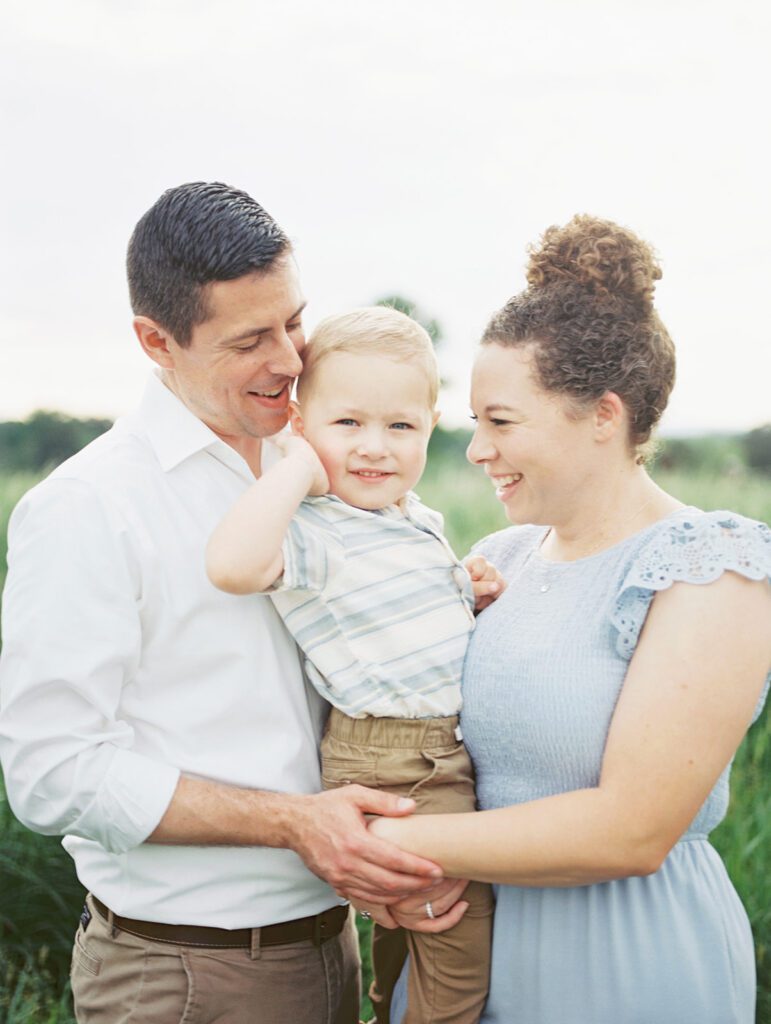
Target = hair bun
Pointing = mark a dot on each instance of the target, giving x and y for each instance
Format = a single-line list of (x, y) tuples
[(598, 255)]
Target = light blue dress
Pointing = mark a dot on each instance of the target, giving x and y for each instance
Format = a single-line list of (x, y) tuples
[(542, 677)]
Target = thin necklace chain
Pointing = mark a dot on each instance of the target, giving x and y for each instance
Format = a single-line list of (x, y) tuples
[(603, 536), (547, 586)]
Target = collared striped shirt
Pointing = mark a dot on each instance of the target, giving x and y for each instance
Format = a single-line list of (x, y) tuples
[(379, 605)]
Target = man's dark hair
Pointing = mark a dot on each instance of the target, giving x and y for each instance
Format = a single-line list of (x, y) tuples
[(193, 235)]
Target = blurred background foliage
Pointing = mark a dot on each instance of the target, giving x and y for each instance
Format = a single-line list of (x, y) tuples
[(40, 898)]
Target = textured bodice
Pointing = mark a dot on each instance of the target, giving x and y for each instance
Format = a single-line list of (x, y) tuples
[(547, 660)]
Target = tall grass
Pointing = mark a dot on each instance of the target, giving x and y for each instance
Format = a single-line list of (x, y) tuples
[(40, 897)]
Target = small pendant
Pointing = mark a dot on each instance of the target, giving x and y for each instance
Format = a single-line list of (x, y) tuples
[(544, 588)]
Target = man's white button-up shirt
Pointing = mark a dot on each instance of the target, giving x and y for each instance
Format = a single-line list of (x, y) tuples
[(122, 666)]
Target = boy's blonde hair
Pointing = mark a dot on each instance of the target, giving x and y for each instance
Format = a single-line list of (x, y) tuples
[(373, 330)]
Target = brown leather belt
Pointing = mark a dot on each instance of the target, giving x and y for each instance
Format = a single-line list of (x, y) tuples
[(317, 928)]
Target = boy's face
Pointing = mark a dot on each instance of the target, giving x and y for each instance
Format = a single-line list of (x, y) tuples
[(369, 419)]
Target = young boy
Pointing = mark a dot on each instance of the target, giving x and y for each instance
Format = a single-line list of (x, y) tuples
[(371, 591)]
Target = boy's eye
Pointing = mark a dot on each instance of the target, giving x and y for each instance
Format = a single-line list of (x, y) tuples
[(401, 426), (346, 422)]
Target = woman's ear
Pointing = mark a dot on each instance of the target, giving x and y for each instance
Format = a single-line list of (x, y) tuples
[(610, 416), (296, 420)]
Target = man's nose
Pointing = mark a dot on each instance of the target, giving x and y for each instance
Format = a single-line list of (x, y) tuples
[(286, 360)]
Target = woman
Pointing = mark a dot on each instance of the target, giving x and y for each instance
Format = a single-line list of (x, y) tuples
[(608, 688)]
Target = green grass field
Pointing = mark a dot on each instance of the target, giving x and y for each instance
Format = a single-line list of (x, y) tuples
[(40, 898)]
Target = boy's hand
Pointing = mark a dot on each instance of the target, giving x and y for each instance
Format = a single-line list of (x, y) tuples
[(487, 581), (294, 447)]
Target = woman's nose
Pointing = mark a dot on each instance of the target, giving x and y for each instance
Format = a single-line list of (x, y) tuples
[(479, 449)]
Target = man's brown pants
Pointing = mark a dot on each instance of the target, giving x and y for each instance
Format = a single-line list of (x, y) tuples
[(118, 978)]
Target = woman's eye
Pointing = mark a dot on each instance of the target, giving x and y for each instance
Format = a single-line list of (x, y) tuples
[(248, 348)]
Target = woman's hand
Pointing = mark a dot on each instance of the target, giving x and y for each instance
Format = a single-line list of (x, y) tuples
[(487, 581), (411, 912), (443, 901)]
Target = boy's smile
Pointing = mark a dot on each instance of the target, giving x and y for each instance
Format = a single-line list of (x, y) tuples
[(369, 419)]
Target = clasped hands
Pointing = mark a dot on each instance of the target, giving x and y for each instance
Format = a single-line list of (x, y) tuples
[(442, 897)]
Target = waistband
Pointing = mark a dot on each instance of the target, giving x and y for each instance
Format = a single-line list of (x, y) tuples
[(318, 928), (395, 732)]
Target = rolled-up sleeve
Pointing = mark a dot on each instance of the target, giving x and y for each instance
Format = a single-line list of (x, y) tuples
[(71, 643)]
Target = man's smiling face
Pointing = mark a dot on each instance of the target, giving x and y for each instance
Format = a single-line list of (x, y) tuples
[(237, 372)]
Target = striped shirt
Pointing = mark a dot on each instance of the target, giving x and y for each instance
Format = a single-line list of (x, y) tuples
[(379, 605)]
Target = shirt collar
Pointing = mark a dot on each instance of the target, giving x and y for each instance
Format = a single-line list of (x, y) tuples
[(176, 433), (409, 507)]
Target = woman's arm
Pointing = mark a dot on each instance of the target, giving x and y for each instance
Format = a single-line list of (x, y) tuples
[(686, 703), (243, 555)]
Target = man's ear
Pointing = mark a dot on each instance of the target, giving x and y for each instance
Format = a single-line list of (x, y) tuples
[(155, 340), (296, 420)]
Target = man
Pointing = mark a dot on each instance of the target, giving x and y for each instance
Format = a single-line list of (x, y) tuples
[(161, 725)]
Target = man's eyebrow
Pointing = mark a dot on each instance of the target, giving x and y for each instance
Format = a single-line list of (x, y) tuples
[(254, 332)]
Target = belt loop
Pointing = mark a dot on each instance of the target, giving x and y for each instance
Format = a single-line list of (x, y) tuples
[(111, 924), (254, 947), (318, 930)]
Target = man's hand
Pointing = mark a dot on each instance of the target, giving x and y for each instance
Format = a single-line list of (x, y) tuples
[(411, 911), (487, 581), (294, 447), (329, 831)]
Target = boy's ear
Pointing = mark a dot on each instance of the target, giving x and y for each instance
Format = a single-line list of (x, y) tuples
[(296, 420), (435, 420)]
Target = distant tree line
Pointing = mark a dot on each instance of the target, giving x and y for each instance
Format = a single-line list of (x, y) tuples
[(46, 439), (718, 454)]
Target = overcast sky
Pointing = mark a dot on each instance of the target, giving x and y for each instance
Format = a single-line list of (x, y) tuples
[(411, 146)]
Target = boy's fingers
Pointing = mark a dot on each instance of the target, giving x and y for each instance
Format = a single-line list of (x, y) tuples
[(475, 567)]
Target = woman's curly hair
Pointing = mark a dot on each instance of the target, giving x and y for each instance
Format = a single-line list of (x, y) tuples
[(588, 314)]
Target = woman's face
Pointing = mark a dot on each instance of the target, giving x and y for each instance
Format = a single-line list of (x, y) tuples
[(540, 459)]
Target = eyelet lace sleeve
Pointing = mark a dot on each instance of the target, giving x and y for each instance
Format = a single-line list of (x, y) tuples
[(698, 548)]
